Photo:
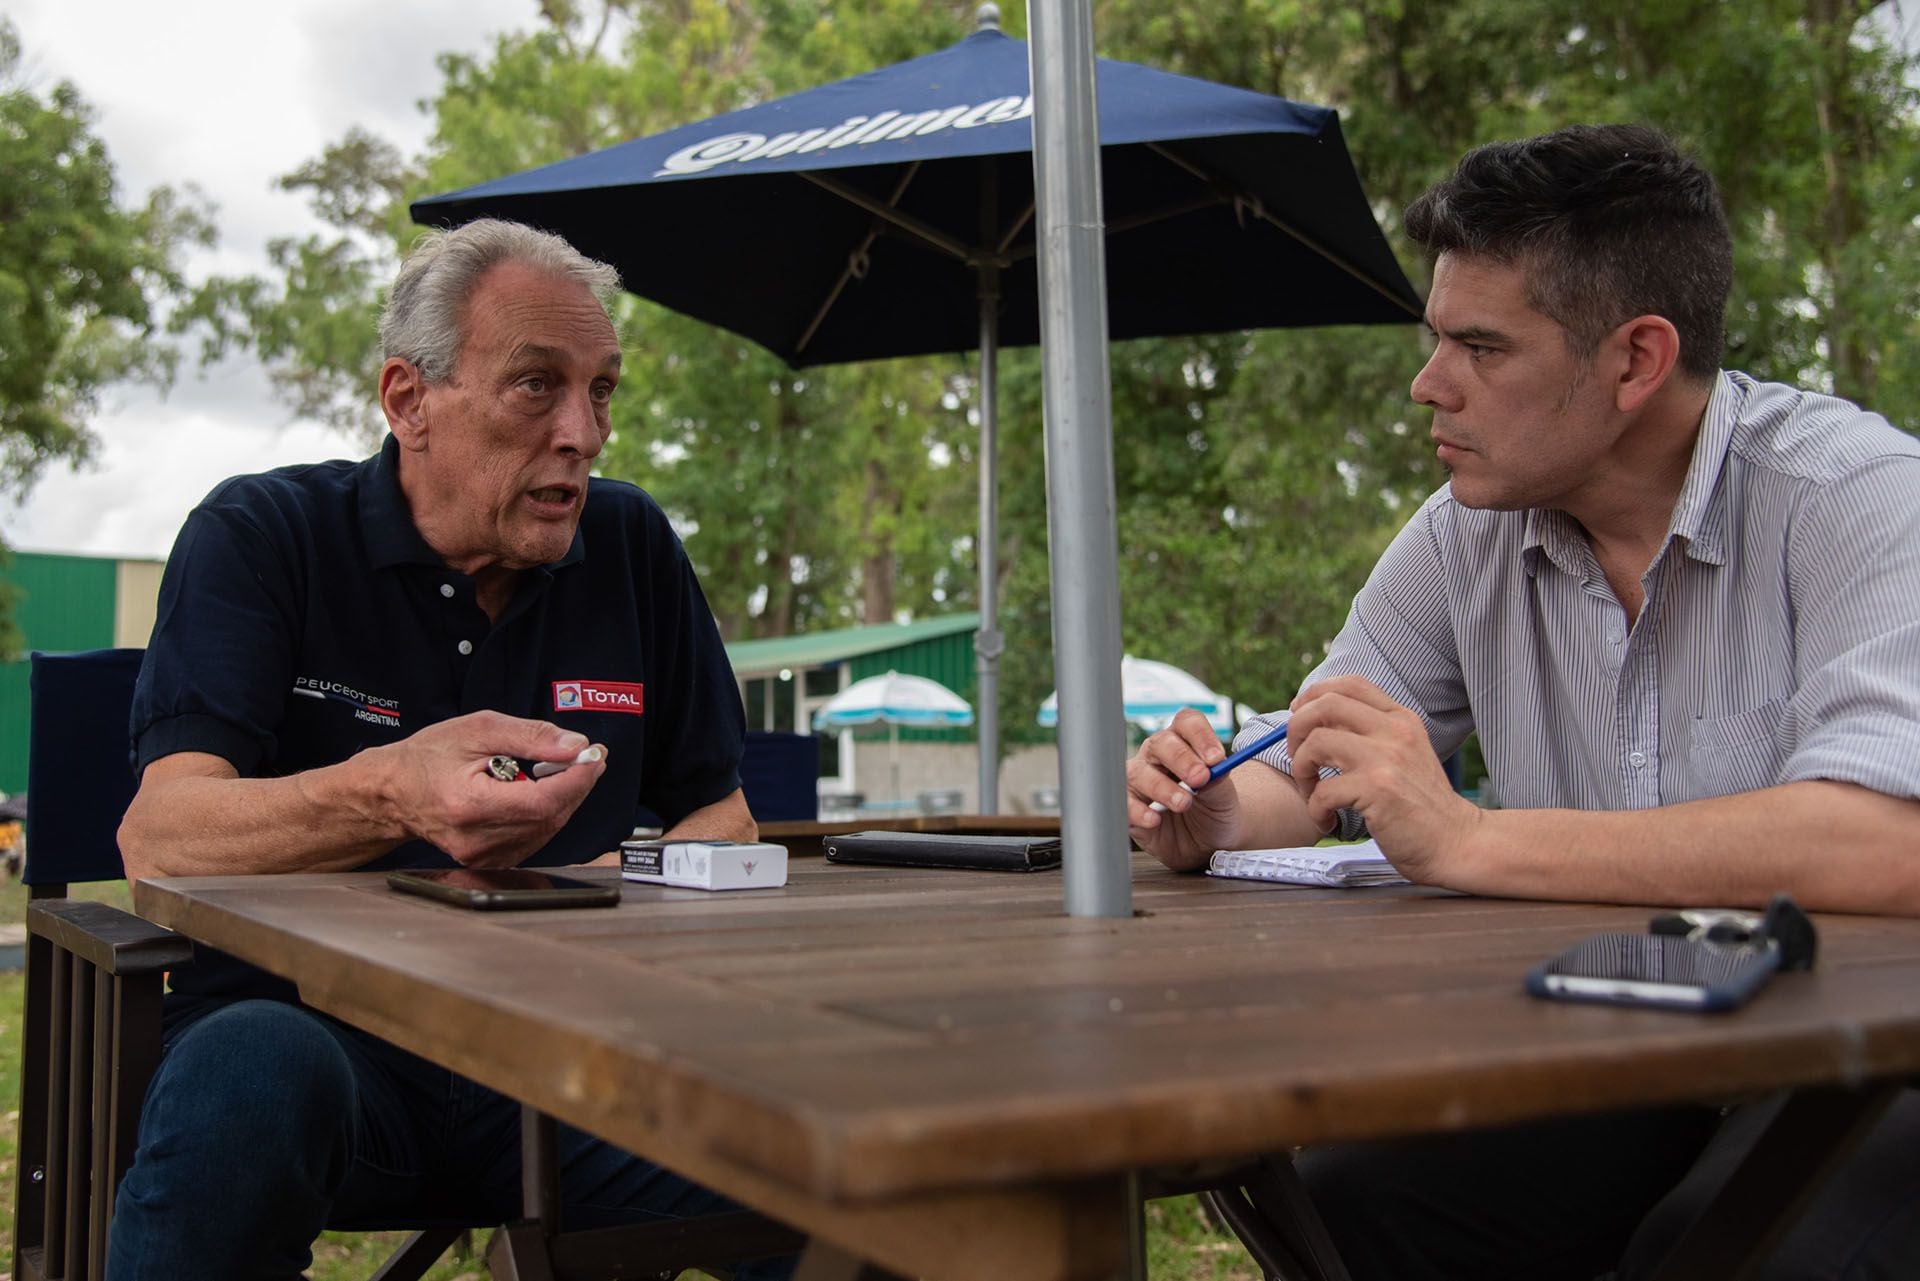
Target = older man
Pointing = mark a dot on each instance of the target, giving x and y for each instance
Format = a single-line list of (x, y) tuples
[(340, 650), (1677, 605)]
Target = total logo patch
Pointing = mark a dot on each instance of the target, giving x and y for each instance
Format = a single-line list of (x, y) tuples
[(599, 696)]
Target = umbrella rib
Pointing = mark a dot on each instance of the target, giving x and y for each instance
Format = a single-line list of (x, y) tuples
[(886, 211), (1228, 193), (856, 263), (1022, 254), (1208, 201), (1019, 224)]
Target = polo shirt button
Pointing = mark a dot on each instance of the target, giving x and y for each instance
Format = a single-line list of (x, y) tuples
[(1635, 759), (466, 647), (446, 589)]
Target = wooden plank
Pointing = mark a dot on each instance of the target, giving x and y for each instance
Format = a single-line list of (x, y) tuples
[(102, 1181), (1134, 1092), (76, 1182), (36, 1096), (59, 1157), (687, 1032), (106, 937)]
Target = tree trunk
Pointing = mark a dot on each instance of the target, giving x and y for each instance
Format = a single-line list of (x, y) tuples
[(1845, 140)]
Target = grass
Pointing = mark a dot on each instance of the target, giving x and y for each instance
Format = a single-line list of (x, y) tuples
[(1181, 1244)]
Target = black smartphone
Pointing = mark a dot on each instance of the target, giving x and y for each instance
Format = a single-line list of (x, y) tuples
[(494, 889), (1661, 970)]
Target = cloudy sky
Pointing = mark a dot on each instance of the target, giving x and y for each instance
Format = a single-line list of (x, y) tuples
[(228, 95)]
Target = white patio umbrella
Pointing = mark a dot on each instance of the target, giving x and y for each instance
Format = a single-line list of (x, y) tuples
[(897, 699), (1225, 717), (1153, 692)]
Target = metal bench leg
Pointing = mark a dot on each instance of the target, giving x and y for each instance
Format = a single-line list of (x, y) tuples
[(1802, 1147), (416, 1254), (1269, 1210), (523, 1251)]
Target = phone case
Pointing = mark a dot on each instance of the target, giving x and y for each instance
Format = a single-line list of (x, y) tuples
[(943, 849), (1657, 971), (505, 900)]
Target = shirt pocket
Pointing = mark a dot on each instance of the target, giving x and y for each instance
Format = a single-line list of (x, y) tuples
[(1738, 753)]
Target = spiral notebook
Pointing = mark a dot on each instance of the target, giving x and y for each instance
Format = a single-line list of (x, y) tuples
[(1337, 865)]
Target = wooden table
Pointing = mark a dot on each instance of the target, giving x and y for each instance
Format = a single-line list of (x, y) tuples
[(942, 1072)]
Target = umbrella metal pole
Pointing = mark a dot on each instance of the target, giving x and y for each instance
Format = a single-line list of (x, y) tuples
[(987, 642), (1079, 433)]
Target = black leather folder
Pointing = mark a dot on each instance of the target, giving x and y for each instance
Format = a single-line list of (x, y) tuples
[(942, 849)]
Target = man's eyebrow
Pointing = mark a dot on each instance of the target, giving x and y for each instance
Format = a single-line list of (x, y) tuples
[(1478, 335), (529, 353), (532, 353)]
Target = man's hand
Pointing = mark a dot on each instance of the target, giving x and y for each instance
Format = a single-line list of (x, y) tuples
[(439, 790), (1195, 823), (1388, 772)]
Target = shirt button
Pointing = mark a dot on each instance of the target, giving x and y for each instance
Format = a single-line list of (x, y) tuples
[(1635, 759), (466, 647), (446, 589), (1613, 638)]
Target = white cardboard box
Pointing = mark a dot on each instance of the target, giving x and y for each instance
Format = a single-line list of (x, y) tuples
[(705, 865)]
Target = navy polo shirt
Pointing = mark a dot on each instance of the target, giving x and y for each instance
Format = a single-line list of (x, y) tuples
[(302, 619)]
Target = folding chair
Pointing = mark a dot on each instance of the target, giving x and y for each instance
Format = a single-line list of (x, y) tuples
[(94, 981), (94, 973), (93, 1029)]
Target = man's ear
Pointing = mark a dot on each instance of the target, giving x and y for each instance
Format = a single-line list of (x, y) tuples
[(403, 393), (1651, 347)]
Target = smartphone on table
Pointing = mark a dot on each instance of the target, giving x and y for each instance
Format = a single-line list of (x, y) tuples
[(503, 888), (1655, 969), (1697, 960)]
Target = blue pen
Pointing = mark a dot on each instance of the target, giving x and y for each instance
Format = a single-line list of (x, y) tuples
[(1240, 757)]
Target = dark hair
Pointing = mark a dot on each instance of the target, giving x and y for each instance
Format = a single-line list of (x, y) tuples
[(1607, 222)]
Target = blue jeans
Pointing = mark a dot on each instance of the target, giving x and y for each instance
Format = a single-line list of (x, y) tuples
[(268, 1121)]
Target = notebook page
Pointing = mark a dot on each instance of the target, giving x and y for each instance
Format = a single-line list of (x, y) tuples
[(1336, 865)]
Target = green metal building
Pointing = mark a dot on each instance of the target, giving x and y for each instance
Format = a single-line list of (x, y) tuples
[(71, 602), (65, 602)]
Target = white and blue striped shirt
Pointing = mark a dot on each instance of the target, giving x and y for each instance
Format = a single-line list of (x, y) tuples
[(1779, 641)]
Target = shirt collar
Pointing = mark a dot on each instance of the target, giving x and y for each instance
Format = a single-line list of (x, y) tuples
[(386, 521), (1699, 515)]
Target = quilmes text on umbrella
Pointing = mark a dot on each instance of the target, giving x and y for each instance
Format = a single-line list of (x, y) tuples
[(737, 148)]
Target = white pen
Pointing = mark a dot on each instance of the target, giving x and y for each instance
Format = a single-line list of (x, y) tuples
[(543, 768)]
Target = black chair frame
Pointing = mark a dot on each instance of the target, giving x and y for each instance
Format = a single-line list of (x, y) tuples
[(95, 979)]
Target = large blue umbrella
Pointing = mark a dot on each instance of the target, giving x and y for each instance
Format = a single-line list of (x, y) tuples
[(892, 215)]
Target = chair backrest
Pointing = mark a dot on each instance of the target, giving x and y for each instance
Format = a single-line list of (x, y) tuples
[(79, 768), (780, 775)]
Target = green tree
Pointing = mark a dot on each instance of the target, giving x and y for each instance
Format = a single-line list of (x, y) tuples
[(83, 281), (1257, 475)]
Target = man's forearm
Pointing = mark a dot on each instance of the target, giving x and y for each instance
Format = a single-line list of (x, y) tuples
[(1832, 846), (727, 819), (187, 821), (1274, 816)]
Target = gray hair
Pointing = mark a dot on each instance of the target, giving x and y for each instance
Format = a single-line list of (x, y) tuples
[(423, 322)]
